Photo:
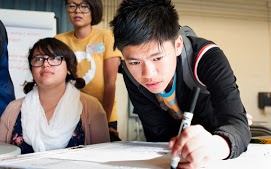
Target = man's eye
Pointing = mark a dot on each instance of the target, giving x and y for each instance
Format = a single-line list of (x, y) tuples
[(158, 58), (134, 63)]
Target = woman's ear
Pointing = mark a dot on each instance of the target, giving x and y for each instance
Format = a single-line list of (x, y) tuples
[(178, 45)]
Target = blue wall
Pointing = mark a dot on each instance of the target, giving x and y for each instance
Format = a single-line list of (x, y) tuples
[(56, 6)]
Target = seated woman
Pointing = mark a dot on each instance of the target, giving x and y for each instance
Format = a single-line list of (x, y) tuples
[(53, 114)]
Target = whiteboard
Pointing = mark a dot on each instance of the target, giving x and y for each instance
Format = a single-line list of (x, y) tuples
[(24, 28)]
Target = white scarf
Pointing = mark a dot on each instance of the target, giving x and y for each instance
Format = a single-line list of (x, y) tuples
[(57, 134)]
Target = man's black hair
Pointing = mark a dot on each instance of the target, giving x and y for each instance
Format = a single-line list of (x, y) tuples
[(140, 21)]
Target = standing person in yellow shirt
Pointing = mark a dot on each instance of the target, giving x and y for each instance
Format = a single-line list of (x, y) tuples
[(97, 60)]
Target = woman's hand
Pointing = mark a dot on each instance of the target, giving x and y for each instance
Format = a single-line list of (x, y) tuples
[(197, 146)]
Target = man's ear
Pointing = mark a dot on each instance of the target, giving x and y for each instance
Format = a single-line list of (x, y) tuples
[(179, 45)]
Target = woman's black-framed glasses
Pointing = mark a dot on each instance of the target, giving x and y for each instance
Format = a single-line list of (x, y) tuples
[(38, 61), (83, 7)]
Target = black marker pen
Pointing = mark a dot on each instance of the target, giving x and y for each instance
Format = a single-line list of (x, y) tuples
[(186, 121)]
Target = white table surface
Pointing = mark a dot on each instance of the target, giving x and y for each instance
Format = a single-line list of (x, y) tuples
[(8, 150), (128, 155)]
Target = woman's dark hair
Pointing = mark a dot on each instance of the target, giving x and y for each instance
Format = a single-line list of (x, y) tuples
[(96, 7), (52, 47)]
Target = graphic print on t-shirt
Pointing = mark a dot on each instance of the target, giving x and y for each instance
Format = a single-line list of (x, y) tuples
[(90, 68)]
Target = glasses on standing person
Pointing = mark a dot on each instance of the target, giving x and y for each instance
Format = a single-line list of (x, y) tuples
[(83, 7)]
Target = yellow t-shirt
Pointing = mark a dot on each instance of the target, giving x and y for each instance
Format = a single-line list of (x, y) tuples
[(91, 53)]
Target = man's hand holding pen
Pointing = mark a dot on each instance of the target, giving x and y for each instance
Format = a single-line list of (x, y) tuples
[(197, 146)]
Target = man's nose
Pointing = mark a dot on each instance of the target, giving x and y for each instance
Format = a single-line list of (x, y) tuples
[(148, 70)]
